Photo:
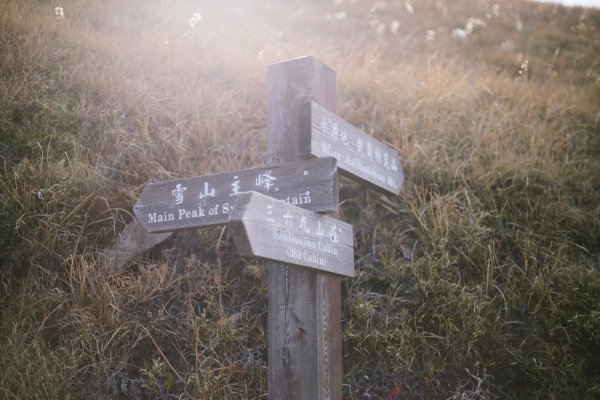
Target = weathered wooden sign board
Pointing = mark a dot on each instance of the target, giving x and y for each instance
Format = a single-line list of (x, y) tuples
[(272, 230), (360, 156), (208, 200)]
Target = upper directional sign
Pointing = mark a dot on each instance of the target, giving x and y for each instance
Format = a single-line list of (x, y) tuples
[(208, 200), (275, 231), (359, 155)]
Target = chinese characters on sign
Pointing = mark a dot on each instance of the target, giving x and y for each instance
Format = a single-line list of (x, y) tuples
[(178, 193), (359, 155), (272, 230), (208, 200)]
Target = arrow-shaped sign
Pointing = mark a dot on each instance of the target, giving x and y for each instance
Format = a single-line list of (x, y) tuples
[(359, 155), (269, 229), (208, 200)]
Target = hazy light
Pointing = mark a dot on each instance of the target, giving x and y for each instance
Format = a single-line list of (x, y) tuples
[(583, 3)]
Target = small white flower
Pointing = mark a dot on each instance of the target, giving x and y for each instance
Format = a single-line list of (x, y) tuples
[(507, 45), (430, 35), (495, 9), (519, 24), (459, 33), (471, 25), (195, 19), (378, 5), (394, 26), (340, 15), (474, 23), (59, 12)]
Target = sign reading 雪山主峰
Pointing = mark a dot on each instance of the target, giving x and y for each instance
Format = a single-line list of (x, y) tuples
[(208, 200), (269, 229), (359, 155)]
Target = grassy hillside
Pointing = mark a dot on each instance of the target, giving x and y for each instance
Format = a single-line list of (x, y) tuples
[(480, 281)]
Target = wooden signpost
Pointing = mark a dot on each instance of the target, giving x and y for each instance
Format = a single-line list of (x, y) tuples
[(271, 213), (359, 155), (305, 340), (272, 230), (304, 313), (208, 200)]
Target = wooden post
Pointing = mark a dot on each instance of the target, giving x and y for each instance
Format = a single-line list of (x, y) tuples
[(304, 316)]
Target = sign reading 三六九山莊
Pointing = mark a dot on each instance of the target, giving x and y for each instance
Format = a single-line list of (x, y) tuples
[(269, 229)]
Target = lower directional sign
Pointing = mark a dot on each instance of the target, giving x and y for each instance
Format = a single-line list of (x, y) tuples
[(269, 229), (208, 200)]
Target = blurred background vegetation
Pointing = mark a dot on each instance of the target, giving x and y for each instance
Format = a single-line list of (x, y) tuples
[(480, 281)]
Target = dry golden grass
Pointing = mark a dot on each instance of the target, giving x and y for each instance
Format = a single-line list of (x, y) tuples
[(480, 281)]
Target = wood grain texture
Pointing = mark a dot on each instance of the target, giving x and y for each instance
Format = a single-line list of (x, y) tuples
[(360, 156), (133, 241), (304, 333), (208, 200), (272, 230)]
